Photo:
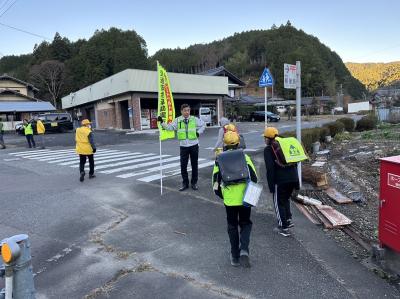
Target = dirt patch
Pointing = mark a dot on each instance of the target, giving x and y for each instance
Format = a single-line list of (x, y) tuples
[(353, 169)]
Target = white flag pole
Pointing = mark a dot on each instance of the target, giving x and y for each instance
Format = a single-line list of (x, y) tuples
[(161, 172)]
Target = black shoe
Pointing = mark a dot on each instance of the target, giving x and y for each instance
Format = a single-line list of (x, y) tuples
[(245, 261), (82, 177), (235, 261), (195, 187), (183, 188), (91, 176)]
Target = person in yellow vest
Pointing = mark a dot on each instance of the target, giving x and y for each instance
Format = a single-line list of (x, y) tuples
[(237, 214), (40, 130), (85, 148), (29, 134), (188, 129), (282, 181)]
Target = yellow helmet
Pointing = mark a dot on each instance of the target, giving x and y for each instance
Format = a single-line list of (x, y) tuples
[(86, 122), (231, 138), (230, 127), (271, 132)]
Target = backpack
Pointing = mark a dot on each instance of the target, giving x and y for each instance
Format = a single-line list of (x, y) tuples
[(288, 151), (233, 167)]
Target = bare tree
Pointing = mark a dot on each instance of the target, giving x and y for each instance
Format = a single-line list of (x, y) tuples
[(49, 75)]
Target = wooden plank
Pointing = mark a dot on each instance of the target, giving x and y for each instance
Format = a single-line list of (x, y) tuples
[(334, 217), (337, 196), (322, 218), (306, 213)]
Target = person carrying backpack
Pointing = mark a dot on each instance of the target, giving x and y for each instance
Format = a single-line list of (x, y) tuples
[(232, 171), (281, 156)]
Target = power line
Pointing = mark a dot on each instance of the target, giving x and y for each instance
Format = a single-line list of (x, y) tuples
[(27, 32), (4, 4), (11, 5)]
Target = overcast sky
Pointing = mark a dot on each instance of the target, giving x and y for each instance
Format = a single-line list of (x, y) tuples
[(359, 31)]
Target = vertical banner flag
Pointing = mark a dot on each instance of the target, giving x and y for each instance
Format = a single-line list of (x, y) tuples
[(166, 107)]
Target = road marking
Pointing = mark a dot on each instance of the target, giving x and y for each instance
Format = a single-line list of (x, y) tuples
[(152, 169), (134, 159), (250, 150), (101, 160), (155, 177), (50, 157), (45, 151), (141, 164), (144, 157), (74, 156)]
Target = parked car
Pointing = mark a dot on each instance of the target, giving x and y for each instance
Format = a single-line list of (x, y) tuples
[(260, 116), (53, 122)]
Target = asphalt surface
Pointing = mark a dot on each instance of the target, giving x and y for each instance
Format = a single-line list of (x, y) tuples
[(114, 237)]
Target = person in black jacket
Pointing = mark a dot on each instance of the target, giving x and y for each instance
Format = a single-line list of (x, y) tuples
[(282, 181)]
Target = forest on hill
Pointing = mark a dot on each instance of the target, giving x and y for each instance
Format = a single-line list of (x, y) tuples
[(375, 75), (74, 65)]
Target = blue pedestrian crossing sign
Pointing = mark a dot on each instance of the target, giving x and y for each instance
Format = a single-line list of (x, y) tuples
[(266, 79)]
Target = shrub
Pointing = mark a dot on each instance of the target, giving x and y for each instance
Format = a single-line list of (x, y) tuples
[(335, 127), (348, 122), (367, 122), (323, 132)]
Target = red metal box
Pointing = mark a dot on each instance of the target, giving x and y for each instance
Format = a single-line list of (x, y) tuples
[(389, 203)]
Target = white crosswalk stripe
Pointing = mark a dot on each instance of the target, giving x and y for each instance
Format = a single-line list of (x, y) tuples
[(101, 160), (144, 167), (172, 173)]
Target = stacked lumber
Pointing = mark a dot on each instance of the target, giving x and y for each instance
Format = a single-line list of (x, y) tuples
[(319, 213)]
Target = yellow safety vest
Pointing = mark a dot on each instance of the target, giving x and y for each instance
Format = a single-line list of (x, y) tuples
[(191, 129), (233, 194), (28, 129), (291, 149), (83, 146)]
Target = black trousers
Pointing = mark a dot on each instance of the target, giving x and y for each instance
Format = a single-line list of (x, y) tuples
[(82, 163), (31, 141), (239, 216), (193, 152), (282, 203)]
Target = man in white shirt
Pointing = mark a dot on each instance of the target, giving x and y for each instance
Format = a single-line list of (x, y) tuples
[(188, 129)]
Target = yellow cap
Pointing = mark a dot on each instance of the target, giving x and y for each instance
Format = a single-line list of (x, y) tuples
[(270, 132), (86, 122), (231, 127), (231, 138)]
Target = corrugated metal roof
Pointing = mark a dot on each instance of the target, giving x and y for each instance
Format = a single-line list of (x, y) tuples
[(132, 80), (26, 106)]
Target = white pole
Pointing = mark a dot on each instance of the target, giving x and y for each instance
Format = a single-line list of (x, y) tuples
[(265, 106), (298, 112), (161, 172)]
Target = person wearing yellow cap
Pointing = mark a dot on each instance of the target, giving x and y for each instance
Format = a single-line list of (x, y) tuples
[(237, 214), (282, 181), (85, 148)]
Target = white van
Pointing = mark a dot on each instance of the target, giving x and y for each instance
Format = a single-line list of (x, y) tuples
[(205, 115)]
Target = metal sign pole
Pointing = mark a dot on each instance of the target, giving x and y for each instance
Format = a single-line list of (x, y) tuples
[(265, 106), (298, 112)]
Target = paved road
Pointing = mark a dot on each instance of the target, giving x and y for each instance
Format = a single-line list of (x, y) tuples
[(116, 237)]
